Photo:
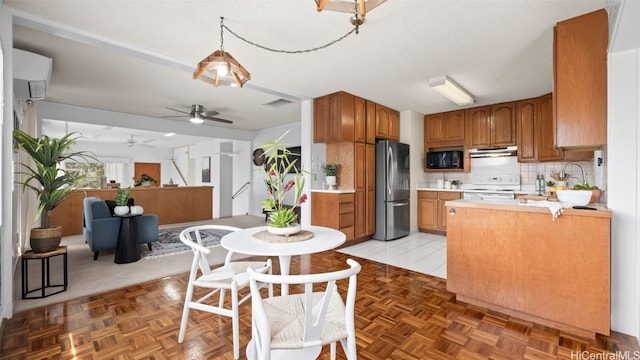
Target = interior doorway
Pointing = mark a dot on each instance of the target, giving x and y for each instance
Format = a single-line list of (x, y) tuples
[(151, 169)]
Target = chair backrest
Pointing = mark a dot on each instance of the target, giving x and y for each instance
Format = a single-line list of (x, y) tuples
[(192, 237), (314, 316), (93, 208), (87, 213)]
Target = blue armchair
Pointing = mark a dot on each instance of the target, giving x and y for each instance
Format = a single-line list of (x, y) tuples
[(101, 229)]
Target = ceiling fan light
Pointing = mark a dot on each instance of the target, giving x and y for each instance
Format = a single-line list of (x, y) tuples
[(452, 91), (196, 118)]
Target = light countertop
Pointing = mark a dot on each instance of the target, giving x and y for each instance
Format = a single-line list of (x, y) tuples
[(518, 205), (337, 191)]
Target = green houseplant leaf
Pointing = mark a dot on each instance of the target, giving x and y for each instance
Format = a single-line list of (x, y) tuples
[(45, 177), (122, 197), (279, 182)]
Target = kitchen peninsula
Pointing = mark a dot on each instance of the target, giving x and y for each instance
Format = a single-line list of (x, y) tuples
[(171, 204), (520, 261)]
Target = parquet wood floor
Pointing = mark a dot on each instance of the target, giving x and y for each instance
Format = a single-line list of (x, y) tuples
[(400, 314)]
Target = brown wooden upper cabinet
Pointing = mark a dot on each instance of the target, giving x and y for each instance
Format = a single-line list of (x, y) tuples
[(528, 134), (534, 119), (491, 125), (535, 131), (580, 81), (387, 123), (371, 122), (334, 118), (360, 120), (444, 129), (547, 150)]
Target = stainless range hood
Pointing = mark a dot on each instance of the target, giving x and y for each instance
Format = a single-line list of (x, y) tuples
[(493, 152)]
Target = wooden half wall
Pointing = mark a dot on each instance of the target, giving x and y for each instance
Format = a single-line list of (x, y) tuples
[(171, 204)]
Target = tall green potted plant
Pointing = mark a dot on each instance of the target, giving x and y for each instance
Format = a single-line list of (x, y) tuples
[(282, 175), (50, 183)]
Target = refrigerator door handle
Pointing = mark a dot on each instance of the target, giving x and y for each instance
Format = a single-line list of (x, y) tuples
[(391, 167), (400, 204)]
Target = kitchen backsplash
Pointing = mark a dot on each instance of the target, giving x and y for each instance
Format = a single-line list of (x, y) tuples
[(527, 171)]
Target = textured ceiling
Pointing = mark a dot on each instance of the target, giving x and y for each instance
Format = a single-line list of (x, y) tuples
[(138, 56)]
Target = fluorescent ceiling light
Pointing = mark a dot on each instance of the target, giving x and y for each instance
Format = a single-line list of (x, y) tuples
[(452, 91), (170, 134)]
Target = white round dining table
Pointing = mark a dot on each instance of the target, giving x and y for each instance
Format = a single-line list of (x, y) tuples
[(242, 241)]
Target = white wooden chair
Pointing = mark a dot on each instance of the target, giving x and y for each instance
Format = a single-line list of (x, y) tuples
[(231, 276), (297, 326)]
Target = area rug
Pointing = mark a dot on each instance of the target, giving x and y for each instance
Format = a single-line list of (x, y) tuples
[(169, 242)]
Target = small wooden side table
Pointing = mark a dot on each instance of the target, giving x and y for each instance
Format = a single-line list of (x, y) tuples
[(45, 282)]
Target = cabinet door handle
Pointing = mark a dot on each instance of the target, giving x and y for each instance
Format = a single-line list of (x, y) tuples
[(452, 211)]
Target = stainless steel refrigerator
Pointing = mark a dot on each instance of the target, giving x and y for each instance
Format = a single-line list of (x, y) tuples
[(392, 190)]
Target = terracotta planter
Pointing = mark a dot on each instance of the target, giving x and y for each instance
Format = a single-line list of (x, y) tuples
[(595, 196), (45, 240)]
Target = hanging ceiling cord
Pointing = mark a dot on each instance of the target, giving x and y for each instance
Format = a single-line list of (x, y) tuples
[(355, 29), (356, 21)]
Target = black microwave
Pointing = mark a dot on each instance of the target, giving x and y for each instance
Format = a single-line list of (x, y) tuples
[(450, 159)]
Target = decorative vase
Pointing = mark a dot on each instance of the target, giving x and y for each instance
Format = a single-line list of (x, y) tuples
[(121, 210), (136, 210), (146, 184), (45, 240), (284, 231), (331, 180)]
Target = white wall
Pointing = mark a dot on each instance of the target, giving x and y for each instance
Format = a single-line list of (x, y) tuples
[(623, 172), (623, 189), (412, 132), (129, 156), (6, 202)]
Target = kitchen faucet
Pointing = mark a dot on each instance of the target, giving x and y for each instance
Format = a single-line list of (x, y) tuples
[(584, 177)]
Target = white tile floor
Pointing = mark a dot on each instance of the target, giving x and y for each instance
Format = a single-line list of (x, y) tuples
[(421, 252)]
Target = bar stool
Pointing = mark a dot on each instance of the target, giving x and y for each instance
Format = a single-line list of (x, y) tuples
[(45, 272)]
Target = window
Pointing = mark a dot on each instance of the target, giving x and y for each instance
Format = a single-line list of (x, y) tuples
[(92, 173)]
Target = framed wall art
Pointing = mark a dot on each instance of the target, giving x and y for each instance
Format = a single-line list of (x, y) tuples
[(206, 169)]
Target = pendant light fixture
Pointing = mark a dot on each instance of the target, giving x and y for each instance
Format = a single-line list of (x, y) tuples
[(220, 63), (362, 6)]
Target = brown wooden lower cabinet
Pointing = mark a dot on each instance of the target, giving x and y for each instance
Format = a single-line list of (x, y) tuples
[(519, 261), (431, 209), (171, 204), (334, 210)]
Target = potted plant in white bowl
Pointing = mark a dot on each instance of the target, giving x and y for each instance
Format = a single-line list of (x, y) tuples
[(330, 170), (49, 181), (122, 198), (281, 176)]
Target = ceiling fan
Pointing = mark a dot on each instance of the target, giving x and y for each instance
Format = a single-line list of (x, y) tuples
[(133, 141), (198, 115)]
